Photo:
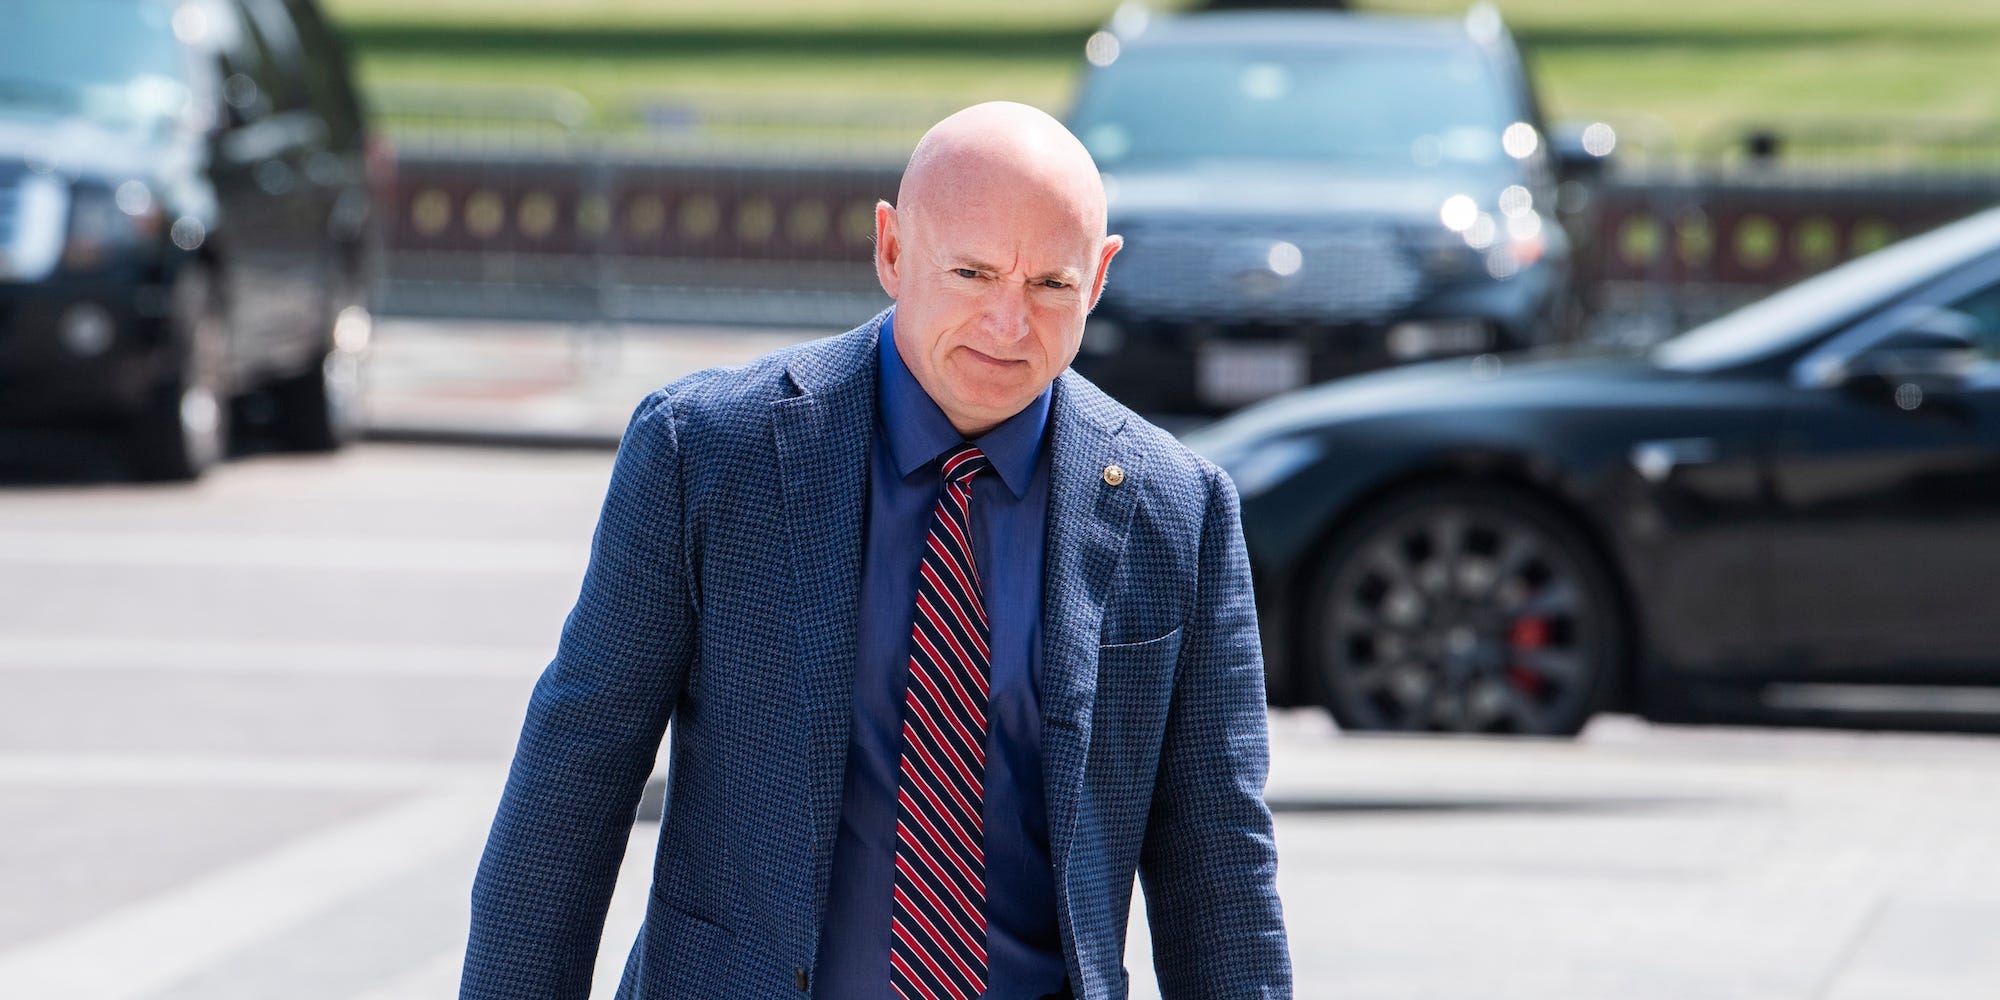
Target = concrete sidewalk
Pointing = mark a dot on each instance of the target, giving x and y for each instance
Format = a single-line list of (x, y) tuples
[(537, 383)]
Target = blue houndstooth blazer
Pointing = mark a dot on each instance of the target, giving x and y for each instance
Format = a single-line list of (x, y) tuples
[(722, 593)]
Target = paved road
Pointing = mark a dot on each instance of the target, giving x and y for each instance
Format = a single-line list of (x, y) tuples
[(252, 733)]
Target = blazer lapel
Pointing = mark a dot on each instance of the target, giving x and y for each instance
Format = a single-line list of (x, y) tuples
[(1088, 520), (822, 447)]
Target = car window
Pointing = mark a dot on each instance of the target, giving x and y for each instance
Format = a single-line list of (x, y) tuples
[(323, 66), (254, 85), (1983, 307), (114, 62), (272, 49), (1803, 312), (1410, 106)]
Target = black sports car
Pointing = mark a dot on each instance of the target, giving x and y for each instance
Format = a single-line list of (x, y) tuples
[(1790, 513)]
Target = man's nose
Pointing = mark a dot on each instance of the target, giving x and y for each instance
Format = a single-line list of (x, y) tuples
[(1007, 313)]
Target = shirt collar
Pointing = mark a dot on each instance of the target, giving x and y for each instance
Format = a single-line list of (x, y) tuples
[(918, 432)]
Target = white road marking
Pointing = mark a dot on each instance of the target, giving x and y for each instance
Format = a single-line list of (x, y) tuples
[(273, 656), (182, 550), (144, 947), (436, 978)]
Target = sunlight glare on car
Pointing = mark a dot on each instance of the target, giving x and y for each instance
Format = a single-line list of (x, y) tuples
[(1520, 140), (1101, 49), (1599, 139), (1459, 213), (1285, 259)]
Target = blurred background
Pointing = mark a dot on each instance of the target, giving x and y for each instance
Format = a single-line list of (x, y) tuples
[(1613, 391)]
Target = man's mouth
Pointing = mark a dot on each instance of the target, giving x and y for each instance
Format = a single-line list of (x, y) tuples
[(989, 359)]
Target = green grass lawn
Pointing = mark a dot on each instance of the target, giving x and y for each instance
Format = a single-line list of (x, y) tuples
[(1700, 67)]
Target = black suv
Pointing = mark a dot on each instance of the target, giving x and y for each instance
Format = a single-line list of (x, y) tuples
[(1309, 194), (186, 218)]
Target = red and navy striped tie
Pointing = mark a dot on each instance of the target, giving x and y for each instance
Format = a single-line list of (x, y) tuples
[(937, 949)]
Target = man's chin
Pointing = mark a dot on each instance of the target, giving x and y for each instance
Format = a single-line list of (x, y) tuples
[(995, 391)]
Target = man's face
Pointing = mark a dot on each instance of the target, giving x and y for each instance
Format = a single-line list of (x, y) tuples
[(991, 286)]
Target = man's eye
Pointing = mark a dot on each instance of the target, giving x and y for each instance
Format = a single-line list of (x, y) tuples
[(1053, 283), (966, 272)]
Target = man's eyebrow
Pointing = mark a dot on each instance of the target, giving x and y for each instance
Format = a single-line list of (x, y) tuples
[(1066, 275)]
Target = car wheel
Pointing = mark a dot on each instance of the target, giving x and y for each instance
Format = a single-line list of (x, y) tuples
[(320, 409), (183, 429), (1468, 609)]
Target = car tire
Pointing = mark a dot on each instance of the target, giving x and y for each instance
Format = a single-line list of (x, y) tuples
[(1463, 609), (183, 429), (320, 409)]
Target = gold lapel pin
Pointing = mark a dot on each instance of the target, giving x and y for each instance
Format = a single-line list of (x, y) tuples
[(1113, 475)]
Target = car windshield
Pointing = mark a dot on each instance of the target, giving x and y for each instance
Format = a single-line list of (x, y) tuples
[(1398, 106), (114, 62), (1804, 311)]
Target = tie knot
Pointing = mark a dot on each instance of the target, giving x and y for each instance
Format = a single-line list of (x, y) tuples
[(963, 462)]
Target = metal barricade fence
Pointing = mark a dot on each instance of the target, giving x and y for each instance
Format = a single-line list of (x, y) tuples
[(527, 205), (1688, 233), (712, 209)]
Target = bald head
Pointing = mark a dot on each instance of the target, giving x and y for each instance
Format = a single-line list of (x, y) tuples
[(995, 252), (1003, 146)]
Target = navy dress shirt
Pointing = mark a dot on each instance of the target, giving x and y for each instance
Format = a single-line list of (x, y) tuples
[(1024, 953)]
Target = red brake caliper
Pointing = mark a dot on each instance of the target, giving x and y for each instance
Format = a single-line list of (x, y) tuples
[(1527, 634)]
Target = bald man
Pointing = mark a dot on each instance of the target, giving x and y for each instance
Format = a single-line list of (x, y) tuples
[(952, 645)]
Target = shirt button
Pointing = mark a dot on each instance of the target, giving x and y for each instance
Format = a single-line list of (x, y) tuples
[(799, 979)]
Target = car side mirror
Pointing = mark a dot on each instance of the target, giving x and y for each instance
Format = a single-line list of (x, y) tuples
[(1933, 350)]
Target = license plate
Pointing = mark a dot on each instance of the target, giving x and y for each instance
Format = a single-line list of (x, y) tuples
[(1231, 374)]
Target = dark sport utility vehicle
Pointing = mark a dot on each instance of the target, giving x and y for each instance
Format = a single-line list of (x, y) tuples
[(1308, 194), (185, 218)]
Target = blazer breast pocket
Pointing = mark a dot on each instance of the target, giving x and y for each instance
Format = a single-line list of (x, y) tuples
[(1139, 659), (1172, 640)]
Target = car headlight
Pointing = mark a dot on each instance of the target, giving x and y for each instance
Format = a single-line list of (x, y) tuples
[(104, 221), (41, 217), (1505, 241)]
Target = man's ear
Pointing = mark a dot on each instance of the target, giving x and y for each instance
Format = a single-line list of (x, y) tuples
[(1112, 244), (888, 249)]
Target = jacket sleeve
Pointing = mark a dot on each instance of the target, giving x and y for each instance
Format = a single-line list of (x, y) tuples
[(1209, 863), (593, 729)]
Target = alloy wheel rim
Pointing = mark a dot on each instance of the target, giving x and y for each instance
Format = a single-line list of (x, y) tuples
[(1458, 618)]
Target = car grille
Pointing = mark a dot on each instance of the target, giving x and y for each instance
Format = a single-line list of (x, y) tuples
[(1204, 269)]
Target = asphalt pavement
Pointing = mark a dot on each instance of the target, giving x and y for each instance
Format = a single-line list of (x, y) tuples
[(252, 733)]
